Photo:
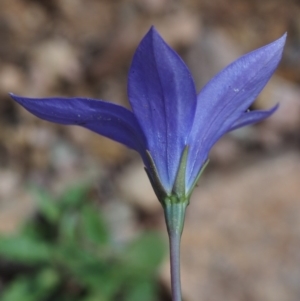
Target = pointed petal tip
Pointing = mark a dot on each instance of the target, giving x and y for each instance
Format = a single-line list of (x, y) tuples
[(152, 31), (278, 45), (281, 41), (24, 101), (274, 108), (253, 117), (15, 97), (12, 95), (20, 99), (284, 36), (271, 110), (273, 50), (153, 34)]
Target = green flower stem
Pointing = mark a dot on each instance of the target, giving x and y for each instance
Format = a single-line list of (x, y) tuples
[(175, 214), (175, 266)]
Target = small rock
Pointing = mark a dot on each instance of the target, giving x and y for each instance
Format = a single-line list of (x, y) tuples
[(51, 61), (11, 79), (180, 29)]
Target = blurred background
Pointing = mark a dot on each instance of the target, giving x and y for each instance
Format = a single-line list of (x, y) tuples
[(78, 218)]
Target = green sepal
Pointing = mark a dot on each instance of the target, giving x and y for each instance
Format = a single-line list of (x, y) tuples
[(178, 193), (174, 203), (155, 180), (197, 178), (179, 185)]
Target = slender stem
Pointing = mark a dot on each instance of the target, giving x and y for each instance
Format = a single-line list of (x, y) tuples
[(174, 239), (174, 214)]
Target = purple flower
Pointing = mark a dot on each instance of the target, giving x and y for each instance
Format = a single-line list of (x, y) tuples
[(170, 126)]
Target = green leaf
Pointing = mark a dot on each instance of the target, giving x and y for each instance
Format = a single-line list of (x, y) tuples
[(68, 227), (108, 285), (18, 290), (97, 296), (141, 290), (47, 205), (47, 278), (93, 225), (32, 288), (145, 254), (25, 250), (31, 230), (75, 196), (73, 246)]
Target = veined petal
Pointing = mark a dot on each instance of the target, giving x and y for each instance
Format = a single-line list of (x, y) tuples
[(224, 98), (252, 117), (163, 98), (104, 118)]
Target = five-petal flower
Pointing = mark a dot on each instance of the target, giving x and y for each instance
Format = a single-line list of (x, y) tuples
[(171, 126)]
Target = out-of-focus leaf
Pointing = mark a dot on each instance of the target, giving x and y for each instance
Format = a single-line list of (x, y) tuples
[(142, 290), (69, 247), (107, 286), (25, 250), (110, 282), (145, 254), (18, 290), (74, 196), (96, 297), (47, 205), (93, 225), (94, 273), (68, 227), (31, 231), (47, 278), (32, 289)]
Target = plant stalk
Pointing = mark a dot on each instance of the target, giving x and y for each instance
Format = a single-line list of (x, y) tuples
[(175, 266), (175, 214)]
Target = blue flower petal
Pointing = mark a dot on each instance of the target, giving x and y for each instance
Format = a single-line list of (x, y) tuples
[(252, 117), (226, 96), (163, 98), (104, 118)]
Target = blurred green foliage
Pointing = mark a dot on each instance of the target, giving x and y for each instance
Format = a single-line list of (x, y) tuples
[(66, 253)]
